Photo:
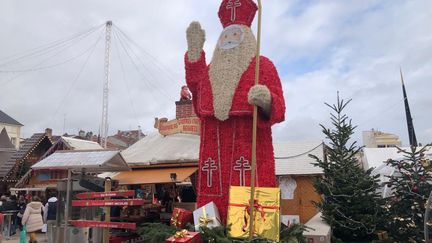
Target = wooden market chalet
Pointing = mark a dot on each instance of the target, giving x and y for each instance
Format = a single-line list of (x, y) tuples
[(49, 178), (16, 172), (20, 162)]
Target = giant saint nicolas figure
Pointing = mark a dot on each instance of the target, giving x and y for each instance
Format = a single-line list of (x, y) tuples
[(224, 93)]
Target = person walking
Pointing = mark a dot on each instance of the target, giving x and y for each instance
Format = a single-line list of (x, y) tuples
[(13, 208), (21, 208), (50, 212), (32, 218)]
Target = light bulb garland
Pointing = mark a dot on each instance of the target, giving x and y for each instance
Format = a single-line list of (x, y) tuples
[(19, 162)]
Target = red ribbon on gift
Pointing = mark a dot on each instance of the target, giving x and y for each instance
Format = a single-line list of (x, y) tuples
[(257, 206)]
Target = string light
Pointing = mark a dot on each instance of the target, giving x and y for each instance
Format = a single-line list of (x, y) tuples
[(20, 162)]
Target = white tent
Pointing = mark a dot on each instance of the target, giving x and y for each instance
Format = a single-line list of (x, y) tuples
[(376, 158), (156, 149), (80, 144)]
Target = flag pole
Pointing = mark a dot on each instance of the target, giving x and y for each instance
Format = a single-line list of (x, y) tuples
[(254, 130)]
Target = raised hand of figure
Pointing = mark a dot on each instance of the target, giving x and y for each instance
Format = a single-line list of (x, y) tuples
[(195, 36)]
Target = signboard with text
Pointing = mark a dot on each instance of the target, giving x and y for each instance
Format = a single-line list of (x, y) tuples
[(109, 202), (101, 224), (91, 195), (183, 125)]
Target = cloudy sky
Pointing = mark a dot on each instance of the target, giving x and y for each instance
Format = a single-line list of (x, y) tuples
[(52, 61)]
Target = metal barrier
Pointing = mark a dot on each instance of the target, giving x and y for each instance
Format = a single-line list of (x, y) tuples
[(1, 227), (7, 224)]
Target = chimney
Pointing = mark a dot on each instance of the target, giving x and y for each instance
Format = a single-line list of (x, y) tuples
[(48, 132), (184, 109)]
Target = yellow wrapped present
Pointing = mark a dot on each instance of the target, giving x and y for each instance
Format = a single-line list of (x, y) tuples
[(266, 211)]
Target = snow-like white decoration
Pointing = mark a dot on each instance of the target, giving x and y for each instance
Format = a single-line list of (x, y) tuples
[(287, 185)]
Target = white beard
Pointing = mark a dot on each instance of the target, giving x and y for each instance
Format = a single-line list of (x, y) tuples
[(226, 69)]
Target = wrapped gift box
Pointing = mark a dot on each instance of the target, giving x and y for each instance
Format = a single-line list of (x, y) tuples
[(180, 217), (207, 216), (267, 212), (185, 236)]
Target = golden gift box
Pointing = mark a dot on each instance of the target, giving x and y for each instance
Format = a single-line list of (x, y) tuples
[(266, 211)]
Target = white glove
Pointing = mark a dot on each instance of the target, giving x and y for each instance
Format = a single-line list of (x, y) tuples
[(195, 36), (259, 95)]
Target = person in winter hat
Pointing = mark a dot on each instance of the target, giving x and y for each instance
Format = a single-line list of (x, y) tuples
[(32, 218)]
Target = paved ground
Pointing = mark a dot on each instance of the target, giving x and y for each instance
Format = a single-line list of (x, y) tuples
[(15, 238)]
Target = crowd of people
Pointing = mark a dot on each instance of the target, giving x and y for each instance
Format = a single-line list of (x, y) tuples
[(30, 213)]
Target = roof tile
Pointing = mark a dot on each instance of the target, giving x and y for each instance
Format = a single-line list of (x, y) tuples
[(5, 118)]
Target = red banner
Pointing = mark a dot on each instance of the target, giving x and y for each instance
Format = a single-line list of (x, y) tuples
[(101, 224), (109, 203), (91, 195)]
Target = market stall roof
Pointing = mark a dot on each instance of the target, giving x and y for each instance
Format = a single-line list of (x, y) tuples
[(156, 175), (80, 144), (91, 161), (316, 226), (292, 158), (158, 149)]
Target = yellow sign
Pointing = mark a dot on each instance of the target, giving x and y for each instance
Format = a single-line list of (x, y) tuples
[(183, 125)]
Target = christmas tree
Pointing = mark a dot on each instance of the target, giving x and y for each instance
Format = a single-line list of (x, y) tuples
[(351, 203), (411, 186)]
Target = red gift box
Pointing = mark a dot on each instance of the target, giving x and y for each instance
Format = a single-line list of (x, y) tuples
[(185, 236), (180, 217)]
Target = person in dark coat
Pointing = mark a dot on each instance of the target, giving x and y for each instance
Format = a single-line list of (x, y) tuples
[(21, 208), (50, 214)]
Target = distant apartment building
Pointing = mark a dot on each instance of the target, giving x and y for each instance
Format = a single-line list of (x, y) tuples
[(378, 139), (13, 128)]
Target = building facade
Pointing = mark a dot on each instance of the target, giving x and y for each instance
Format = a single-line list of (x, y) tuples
[(378, 139), (13, 128)]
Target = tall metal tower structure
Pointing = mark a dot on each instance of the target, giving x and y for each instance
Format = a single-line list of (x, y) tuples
[(107, 62)]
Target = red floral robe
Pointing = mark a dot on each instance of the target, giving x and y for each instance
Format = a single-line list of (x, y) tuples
[(225, 149)]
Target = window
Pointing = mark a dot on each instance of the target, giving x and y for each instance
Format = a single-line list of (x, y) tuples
[(14, 140)]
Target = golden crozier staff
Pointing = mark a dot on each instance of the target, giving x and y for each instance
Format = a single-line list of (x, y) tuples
[(254, 129)]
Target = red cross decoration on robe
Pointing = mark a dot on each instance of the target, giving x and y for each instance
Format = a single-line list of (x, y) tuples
[(209, 167), (242, 165)]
